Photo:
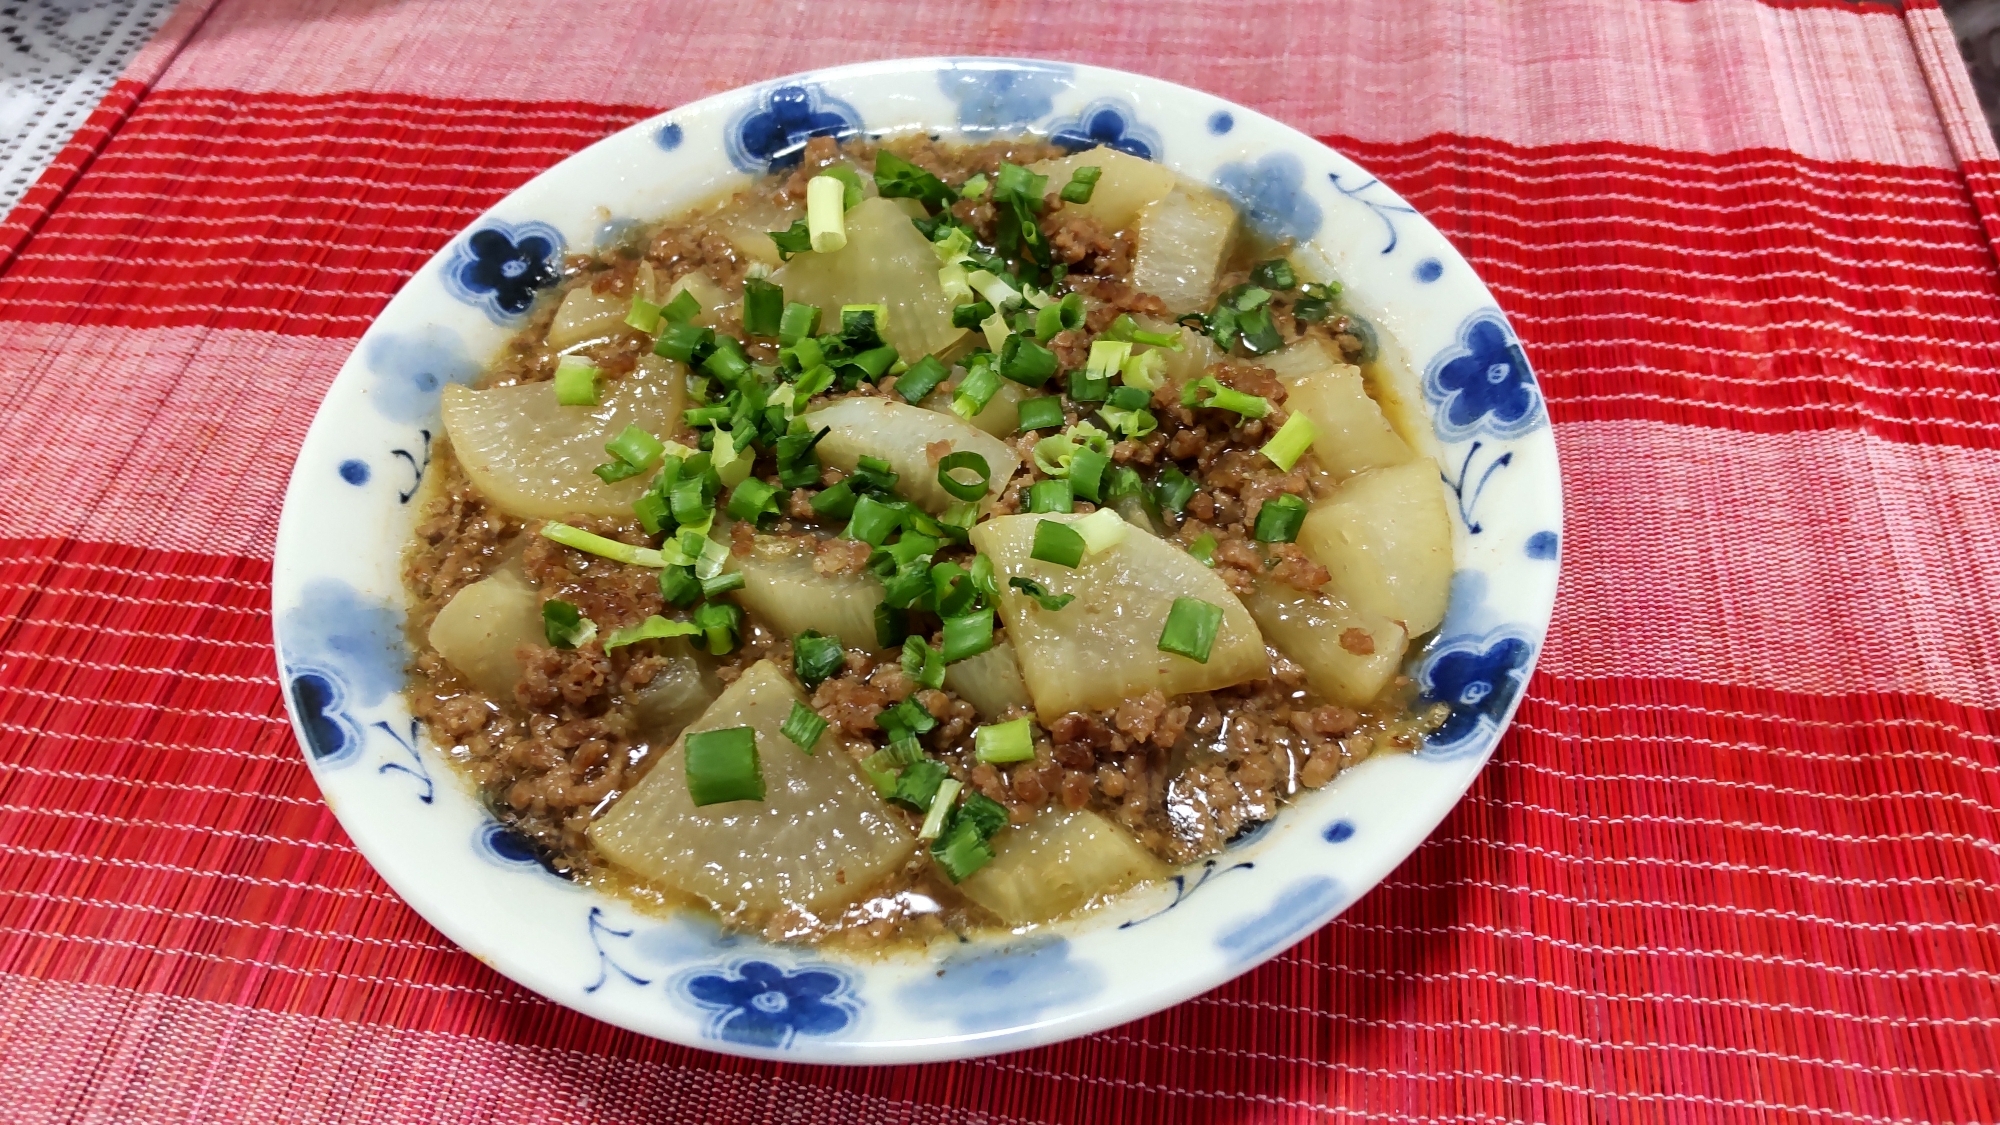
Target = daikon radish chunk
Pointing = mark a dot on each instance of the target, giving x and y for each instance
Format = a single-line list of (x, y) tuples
[(1394, 384), (887, 262), (817, 841), (781, 586), (1056, 863), (680, 690), (1182, 241), (903, 435), (1002, 414), (1352, 435), (479, 630), (532, 456), (1127, 184), (990, 681), (1386, 536), (588, 315), (747, 225), (1104, 647), (713, 298), (1349, 656), (1188, 363)]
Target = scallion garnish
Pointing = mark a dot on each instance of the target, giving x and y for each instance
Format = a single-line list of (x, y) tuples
[(1105, 357), (565, 626), (685, 342), (1051, 496), (993, 288), (861, 326), (752, 499), (684, 307), (897, 178), (1002, 744), (593, 544), (1128, 398), (1130, 423), (974, 187), (1173, 489), (850, 180), (835, 503), (722, 766), (826, 214), (637, 448), (644, 315), (720, 625), (679, 586), (1206, 392), (1145, 370), (1203, 548), (951, 465), (1086, 473), (1102, 530), (1190, 629), (763, 307), (797, 324), (1081, 183), (941, 804), (1058, 543), (1041, 594), (977, 389), (970, 316), (923, 664), (1041, 413), (872, 521), (891, 626), (881, 768), (921, 379), (996, 331), (797, 238), (1260, 334), (576, 381), (803, 726), (1088, 388), (906, 720), (1274, 274), (654, 628), (967, 634), (722, 583), (1279, 518), (1311, 310), (873, 474), (1026, 362), (869, 366), (1291, 442), (918, 785), (815, 658)]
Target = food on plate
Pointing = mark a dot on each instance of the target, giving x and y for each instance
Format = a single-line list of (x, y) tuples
[(923, 540)]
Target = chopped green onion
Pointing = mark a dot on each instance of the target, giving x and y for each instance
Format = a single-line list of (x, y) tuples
[(1248, 297), (1088, 388), (565, 626), (763, 307), (1173, 489), (644, 315), (1203, 548), (722, 766), (835, 503), (1128, 398), (811, 383), (881, 768), (909, 586), (983, 579), (1000, 744), (611, 472), (977, 389), (1057, 543), (803, 726), (720, 623), (922, 664), (1051, 496), (751, 499), (1279, 518), (967, 634), (972, 315), (1131, 423), (1190, 629), (873, 474), (1026, 362), (721, 584), (1145, 370), (815, 658), (797, 324), (872, 521), (1052, 454), (906, 719), (872, 364), (918, 786), (826, 213), (1102, 530), (964, 461), (637, 448), (974, 187), (685, 343), (1041, 594), (654, 628), (891, 626), (1208, 393), (1105, 357), (1274, 274), (957, 290), (576, 381), (850, 180), (1291, 442), (1125, 328), (1081, 183), (1015, 184), (593, 544), (1041, 413), (684, 307), (1086, 473), (961, 851), (797, 238), (1311, 310), (727, 362), (921, 379), (952, 589), (679, 586), (862, 325), (897, 178), (947, 794), (993, 288), (957, 520), (1260, 334)]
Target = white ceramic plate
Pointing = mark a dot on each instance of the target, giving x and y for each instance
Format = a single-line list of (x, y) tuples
[(339, 606)]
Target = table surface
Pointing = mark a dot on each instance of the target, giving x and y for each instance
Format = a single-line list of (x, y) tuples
[(1738, 858)]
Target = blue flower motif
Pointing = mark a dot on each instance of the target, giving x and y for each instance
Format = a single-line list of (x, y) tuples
[(982, 987), (760, 1004), (411, 371), (500, 266), (1479, 679), (342, 651), (997, 94), (1296, 908), (1482, 384), (1271, 194), (773, 133), (1109, 123)]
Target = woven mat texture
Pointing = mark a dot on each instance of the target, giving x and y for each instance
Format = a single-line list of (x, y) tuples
[(1737, 860)]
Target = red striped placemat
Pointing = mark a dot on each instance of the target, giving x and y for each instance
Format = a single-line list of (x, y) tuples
[(1738, 859)]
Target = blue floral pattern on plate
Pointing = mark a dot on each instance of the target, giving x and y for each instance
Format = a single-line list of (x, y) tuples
[(1286, 919), (343, 652), (760, 1004), (1272, 195), (980, 986), (993, 97), (772, 134), (501, 266), (1482, 386), (1111, 124), (1479, 679), (411, 370)]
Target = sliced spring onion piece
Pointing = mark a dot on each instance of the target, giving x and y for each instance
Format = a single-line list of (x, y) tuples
[(797, 238), (1173, 489), (679, 586), (684, 307), (565, 626), (971, 315), (644, 315), (996, 331), (872, 521), (1000, 744), (1026, 362), (1260, 334), (1311, 310), (952, 246), (964, 461), (1203, 548), (1057, 543), (836, 502), (1086, 473), (1081, 183), (1145, 370), (907, 719), (720, 623), (799, 322), (891, 626), (812, 382), (1102, 530), (815, 658), (1039, 592), (1053, 454), (1128, 398), (576, 381), (654, 628), (1278, 519), (722, 583), (751, 499), (1291, 442), (993, 288), (1208, 393), (1274, 274), (941, 804), (611, 472), (1105, 357), (713, 556), (983, 579), (974, 187), (1131, 423), (921, 379), (803, 726), (684, 342), (952, 279), (918, 786), (826, 213), (593, 544), (1051, 496), (977, 389), (732, 457), (1190, 629), (967, 634), (961, 851), (880, 768), (722, 765), (897, 178), (1041, 413), (1088, 388), (636, 448), (922, 663), (763, 307)]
